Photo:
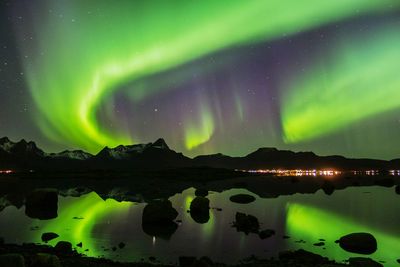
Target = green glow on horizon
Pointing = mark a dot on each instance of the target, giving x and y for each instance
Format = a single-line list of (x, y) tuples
[(311, 223), (83, 62), (359, 80)]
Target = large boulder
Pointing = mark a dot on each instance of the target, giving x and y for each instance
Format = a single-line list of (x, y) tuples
[(159, 211), (64, 247), (201, 192), (246, 223), (162, 230), (158, 219), (200, 209), (46, 237), (242, 198), (46, 260), (42, 204), (398, 189), (361, 243), (12, 260), (364, 262)]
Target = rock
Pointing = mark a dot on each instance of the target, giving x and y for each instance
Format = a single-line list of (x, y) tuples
[(386, 182), (364, 262), (242, 198), (264, 234), (201, 192), (46, 260), (46, 237), (159, 211), (121, 245), (361, 243), (398, 261), (157, 219), (397, 189), (319, 244), (302, 256), (328, 187), (186, 261), (246, 223), (42, 204), (12, 260), (162, 230), (200, 209), (64, 247), (79, 245)]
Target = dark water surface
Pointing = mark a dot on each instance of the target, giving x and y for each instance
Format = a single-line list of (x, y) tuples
[(101, 225)]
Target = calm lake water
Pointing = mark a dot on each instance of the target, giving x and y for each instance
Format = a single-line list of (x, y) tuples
[(101, 225)]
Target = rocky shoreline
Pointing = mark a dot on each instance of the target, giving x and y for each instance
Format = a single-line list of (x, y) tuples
[(33, 255)]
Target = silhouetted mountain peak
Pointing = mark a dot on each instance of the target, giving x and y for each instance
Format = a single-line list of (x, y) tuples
[(160, 143), (4, 140), (74, 154)]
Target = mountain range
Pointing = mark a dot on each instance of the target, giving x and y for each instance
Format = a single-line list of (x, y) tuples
[(24, 156)]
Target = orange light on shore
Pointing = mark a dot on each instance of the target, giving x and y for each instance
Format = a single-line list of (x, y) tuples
[(296, 172), (6, 171)]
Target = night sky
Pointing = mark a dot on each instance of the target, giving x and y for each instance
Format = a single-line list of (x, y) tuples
[(208, 76)]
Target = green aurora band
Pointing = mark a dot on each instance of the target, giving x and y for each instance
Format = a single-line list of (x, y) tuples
[(83, 56), (358, 80)]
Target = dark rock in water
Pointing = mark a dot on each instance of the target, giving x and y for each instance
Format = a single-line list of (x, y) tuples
[(114, 248), (46, 237), (157, 219), (200, 209), (328, 187), (162, 230), (321, 239), (46, 260), (398, 189), (242, 198), (319, 244), (121, 245), (64, 247), (361, 243), (201, 192), (79, 245), (186, 261), (42, 204), (159, 211), (398, 261), (264, 234), (302, 256), (386, 182), (246, 223), (364, 262), (12, 260), (285, 237), (151, 258)]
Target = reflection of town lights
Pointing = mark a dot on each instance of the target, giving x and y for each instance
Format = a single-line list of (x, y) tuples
[(6, 171)]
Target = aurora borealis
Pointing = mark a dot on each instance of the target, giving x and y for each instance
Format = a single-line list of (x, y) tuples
[(223, 76)]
